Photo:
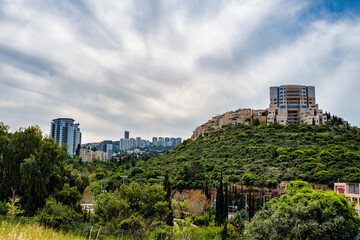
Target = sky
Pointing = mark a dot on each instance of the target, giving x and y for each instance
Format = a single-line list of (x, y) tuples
[(164, 67)]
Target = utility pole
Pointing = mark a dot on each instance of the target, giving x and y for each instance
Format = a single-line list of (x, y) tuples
[(123, 178), (160, 178), (246, 207), (215, 194)]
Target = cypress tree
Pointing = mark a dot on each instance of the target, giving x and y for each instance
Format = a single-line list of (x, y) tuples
[(226, 203), (219, 216), (167, 188)]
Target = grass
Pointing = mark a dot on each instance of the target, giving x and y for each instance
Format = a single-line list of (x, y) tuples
[(31, 231)]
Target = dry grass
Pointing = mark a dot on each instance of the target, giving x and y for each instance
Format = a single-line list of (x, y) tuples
[(33, 231)]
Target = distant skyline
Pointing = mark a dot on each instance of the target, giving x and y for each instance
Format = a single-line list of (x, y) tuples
[(161, 68)]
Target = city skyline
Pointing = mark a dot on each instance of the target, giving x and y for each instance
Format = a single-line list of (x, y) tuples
[(162, 68)]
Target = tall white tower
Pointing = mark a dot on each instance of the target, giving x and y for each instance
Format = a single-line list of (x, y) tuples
[(65, 131)]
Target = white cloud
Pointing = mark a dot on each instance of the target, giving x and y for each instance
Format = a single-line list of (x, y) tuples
[(160, 68)]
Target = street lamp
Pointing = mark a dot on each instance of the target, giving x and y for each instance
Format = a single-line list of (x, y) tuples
[(160, 178), (123, 178)]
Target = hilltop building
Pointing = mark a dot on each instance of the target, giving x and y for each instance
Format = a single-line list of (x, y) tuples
[(294, 104), (66, 131)]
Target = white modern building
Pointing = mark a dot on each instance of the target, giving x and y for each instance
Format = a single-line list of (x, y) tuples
[(66, 131)]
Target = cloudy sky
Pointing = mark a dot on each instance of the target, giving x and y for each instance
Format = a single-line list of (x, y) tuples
[(163, 67)]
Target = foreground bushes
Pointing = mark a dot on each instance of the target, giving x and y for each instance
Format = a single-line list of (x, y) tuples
[(304, 213)]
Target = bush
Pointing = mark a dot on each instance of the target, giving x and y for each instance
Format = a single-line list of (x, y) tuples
[(304, 213), (55, 213), (3, 208)]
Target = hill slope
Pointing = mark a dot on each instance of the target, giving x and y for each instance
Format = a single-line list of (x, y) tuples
[(261, 155)]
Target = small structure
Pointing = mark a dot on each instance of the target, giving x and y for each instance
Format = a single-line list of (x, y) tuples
[(351, 190)]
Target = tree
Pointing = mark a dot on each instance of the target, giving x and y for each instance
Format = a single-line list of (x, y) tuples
[(220, 214), (196, 202), (132, 200), (304, 213), (167, 188), (13, 209)]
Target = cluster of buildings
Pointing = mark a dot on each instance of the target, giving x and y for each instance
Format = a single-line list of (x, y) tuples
[(96, 151), (128, 143), (66, 131), (289, 104)]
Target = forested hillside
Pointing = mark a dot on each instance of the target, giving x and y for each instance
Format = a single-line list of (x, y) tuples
[(261, 155)]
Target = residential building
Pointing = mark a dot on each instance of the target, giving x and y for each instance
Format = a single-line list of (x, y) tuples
[(351, 190), (107, 147), (89, 155), (124, 144), (178, 141), (154, 141), (167, 142), (142, 144), (161, 141), (126, 134), (132, 143), (138, 141), (66, 131), (294, 104)]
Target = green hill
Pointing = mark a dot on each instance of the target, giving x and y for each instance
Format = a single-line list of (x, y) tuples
[(260, 155)]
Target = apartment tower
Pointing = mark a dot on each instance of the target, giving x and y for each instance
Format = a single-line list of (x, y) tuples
[(66, 131)]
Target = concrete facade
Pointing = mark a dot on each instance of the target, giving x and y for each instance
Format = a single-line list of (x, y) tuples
[(66, 131), (88, 155), (351, 190), (294, 104)]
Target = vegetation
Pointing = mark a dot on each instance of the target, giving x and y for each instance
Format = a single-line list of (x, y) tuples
[(34, 167), (32, 231), (39, 180), (262, 155), (304, 213)]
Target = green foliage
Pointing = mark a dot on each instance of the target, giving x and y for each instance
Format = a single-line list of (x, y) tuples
[(3, 208), (304, 213), (248, 179), (34, 166), (12, 206), (69, 195), (262, 155), (55, 213), (238, 221), (132, 201)]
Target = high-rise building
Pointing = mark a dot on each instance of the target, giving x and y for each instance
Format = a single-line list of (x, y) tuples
[(173, 141), (124, 144), (107, 147), (65, 131), (138, 141), (126, 134), (132, 143), (178, 141), (294, 104), (167, 142), (161, 141), (142, 144), (154, 140)]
